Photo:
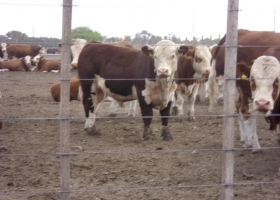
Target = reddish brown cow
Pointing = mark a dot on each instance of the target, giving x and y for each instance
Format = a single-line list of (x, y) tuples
[(252, 44), (23, 64), (127, 74), (74, 90), (21, 50), (44, 65)]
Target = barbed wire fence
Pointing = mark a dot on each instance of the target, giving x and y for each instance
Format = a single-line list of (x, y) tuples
[(228, 115)]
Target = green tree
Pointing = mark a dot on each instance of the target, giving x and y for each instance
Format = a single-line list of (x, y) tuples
[(86, 33), (17, 36)]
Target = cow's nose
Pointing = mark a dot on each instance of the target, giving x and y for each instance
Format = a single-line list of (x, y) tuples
[(162, 72), (262, 105)]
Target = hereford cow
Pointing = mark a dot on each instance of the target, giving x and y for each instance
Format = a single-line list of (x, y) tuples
[(263, 88), (74, 90), (146, 75), (23, 64), (191, 68), (44, 65), (252, 44), (3, 50), (21, 50)]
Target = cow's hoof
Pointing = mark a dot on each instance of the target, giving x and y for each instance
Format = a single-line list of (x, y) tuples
[(197, 99), (174, 111), (112, 115), (148, 134), (257, 150), (165, 134), (191, 117), (93, 131), (220, 101)]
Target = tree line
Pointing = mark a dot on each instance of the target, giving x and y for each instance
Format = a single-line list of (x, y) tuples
[(140, 38)]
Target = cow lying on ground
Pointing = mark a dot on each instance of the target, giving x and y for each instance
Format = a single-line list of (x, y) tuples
[(146, 74), (3, 50), (22, 50), (44, 65), (23, 64), (191, 68), (252, 44), (263, 88), (52, 51)]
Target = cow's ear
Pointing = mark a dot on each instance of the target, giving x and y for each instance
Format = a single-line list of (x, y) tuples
[(242, 70), (148, 50), (183, 50)]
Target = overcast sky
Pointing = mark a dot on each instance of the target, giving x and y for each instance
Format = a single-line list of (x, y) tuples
[(117, 18)]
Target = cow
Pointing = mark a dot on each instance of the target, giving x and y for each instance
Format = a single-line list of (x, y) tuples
[(52, 51), (22, 50), (127, 74), (74, 90), (22, 64), (192, 67), (44, 65), (251, 45), (257, 94), (3, 50)]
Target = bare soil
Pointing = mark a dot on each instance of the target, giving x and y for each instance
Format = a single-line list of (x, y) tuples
[(119, 164)]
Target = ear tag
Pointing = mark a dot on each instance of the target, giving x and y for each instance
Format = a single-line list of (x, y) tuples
[(150, 54), (243, 76), (189, 57), (180, 54)]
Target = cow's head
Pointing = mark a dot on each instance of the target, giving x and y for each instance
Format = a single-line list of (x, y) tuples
[(42, 50), (37, 59), (165, 54), (27, 61), (76, 48), (264, 80), (3, 47), (201, 61)]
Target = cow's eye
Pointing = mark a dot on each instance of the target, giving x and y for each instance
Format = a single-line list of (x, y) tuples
[(253, 84), (172, 56)]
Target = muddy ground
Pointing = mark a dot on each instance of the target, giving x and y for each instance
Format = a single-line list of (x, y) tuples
[(119, 164)]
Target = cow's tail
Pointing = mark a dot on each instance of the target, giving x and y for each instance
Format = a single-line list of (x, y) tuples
[(212, 86)]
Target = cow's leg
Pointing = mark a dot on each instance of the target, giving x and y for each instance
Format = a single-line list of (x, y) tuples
[(251, 132), (212, 86), (132, 108), (243, 136), (192, 101), (220, 90), (177, 105), (206, 85), (147, 115), (113, 108), (165, 132)]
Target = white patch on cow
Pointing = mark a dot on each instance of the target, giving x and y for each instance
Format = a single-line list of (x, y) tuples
[(203, 67), (264, 71), (4, 47), (101, 83), (36, 59), (27, 61), (55, 71), (76, 48), (4, 70), (212, 86), (159, 95)]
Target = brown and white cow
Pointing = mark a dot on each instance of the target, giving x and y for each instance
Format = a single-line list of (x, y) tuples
[(256, 95), (44, 65), (251, 45), (191, 69), (22, 64), (127, 74), (22, 50), (3, 50)]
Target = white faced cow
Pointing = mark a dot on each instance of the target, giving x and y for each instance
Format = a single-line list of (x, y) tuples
[(127, 74), (191, 68), (264, 90)]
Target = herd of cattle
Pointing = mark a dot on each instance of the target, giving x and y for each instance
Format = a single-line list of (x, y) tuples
[(158, 77)]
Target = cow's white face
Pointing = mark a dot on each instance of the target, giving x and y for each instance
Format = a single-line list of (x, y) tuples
[(37, 58), (165, 55), (27, 60), (4, 47), (42, 50), (201, 61), (265, 75), (76, 48)]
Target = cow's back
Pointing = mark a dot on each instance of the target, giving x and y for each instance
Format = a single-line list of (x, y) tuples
[(22, 50)]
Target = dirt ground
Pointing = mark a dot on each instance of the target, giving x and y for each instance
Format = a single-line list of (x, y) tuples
[(119, 164)]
